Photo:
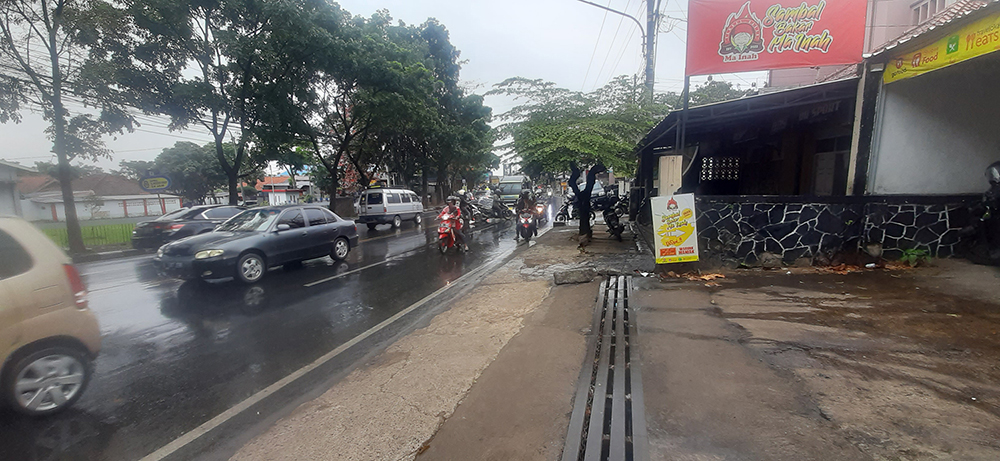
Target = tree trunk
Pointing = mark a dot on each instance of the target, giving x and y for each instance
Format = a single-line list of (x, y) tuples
[(583, 196), (423, 185), (73, 232)]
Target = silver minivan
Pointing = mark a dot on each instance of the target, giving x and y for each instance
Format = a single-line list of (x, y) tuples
[(388, 206)]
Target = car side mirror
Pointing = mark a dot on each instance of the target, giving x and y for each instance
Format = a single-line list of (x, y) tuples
[(283, 227)]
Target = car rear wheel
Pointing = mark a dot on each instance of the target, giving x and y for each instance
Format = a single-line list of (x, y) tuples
[(250, 268), (340, 249), (397, 222), (47, 381)]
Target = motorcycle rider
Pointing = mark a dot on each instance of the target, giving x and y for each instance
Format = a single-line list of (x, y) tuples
[(527, 204), (455, 211)]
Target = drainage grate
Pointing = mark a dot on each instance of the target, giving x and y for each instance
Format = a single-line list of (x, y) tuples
[(608, 422)]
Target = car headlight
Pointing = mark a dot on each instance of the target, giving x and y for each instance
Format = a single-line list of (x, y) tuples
[(205, 254)]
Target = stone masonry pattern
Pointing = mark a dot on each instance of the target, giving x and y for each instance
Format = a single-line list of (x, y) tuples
[(745, 231)]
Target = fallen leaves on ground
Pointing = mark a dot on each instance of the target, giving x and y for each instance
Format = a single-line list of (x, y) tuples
[(696, 277)]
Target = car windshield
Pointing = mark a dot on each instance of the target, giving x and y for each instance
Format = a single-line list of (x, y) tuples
[(250, 221), (511, 188)]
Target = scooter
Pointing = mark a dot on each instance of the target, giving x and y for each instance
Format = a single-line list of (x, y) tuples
[(983, 234), (607, 205), (526, 225), (446, 232), (540, 212)]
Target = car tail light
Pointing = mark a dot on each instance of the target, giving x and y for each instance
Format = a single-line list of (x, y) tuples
[(175, 227), (76, 286), (384, 209)]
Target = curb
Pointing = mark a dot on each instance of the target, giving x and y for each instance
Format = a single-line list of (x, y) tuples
[(91, 257)]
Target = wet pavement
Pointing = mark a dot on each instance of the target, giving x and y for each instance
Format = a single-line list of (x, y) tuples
[(177, 354)]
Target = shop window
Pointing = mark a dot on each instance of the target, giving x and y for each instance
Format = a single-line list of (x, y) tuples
[(720, 169)]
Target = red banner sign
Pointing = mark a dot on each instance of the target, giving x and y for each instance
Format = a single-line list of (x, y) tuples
[(726, 36)]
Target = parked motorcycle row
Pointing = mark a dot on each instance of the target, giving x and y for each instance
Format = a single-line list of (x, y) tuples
[(611, 206)]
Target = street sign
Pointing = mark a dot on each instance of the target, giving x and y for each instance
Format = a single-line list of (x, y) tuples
[(154, 183)]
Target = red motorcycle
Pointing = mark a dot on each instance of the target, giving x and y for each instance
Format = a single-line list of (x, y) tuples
[(446, 230)]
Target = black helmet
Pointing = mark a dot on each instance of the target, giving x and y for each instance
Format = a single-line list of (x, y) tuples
[(993, 173), (525, 193), (452, 199)]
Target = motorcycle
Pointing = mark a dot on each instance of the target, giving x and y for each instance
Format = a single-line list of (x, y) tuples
[(446, 231), (983, 234), (540, 216), (569, 210), (526, 225), (608, 205)]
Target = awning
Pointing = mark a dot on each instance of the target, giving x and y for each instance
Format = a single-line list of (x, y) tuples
[(712, 116)]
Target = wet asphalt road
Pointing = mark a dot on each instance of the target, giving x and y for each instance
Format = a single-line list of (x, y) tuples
[(177, 354)]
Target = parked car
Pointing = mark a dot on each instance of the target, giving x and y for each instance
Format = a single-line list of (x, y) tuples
[(246, 245), (48, 336), (181, 223), (389, 206)]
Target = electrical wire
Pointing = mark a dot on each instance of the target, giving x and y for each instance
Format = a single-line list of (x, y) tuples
[(594, 53)]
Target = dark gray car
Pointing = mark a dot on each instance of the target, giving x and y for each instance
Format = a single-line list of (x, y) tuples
[(246, 245)]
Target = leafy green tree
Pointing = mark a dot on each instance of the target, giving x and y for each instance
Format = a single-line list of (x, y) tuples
[(134, 170), (75, 171), (244, 53), (716, 91), (60, 51), (193, 170), (559, 130)]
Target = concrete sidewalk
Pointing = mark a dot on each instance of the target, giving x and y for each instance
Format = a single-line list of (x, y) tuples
[(795, 364)]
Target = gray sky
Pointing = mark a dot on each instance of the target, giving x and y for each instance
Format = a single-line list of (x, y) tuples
[(575, 45)]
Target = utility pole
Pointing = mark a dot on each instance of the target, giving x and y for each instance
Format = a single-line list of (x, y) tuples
[(648, 39), (652, 24)]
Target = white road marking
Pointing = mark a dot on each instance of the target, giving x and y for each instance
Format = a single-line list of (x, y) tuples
[(207, 426)]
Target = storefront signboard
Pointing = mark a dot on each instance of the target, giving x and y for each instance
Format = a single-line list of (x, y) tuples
[(976, 39), (674, 228), (740, 35)]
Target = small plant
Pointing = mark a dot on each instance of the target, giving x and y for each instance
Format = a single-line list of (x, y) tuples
[(913, 256)]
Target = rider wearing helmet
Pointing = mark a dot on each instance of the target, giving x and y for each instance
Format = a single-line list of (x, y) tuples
[(455, 210), (525, 203)]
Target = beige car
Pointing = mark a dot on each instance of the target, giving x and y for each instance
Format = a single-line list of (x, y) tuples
[(48, 336)]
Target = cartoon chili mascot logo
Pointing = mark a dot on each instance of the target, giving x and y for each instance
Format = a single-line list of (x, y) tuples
[(742, 35)]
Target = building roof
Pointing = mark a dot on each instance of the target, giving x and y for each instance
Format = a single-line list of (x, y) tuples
[(17, 166), (749, 106), (100, 184), (953, 13)]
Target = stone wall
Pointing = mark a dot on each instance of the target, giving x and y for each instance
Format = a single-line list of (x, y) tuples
[(744, 228)]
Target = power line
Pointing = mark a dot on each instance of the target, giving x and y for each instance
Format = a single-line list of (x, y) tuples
[(594, 53), (606, 56)]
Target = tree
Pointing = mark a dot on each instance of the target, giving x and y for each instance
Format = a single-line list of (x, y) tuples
[(243, 52), (193, 170), (62, 51), (134, 170), (560, 130), (75, 171), (716, 91)]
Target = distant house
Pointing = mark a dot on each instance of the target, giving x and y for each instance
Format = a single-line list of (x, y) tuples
[(277, 190), (99, 196), (10, 200)]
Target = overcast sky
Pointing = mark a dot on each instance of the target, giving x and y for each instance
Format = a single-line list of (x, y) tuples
[(575, 45)]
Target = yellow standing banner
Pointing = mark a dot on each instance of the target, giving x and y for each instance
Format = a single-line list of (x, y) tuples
[(675, 228), (976, 39)]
